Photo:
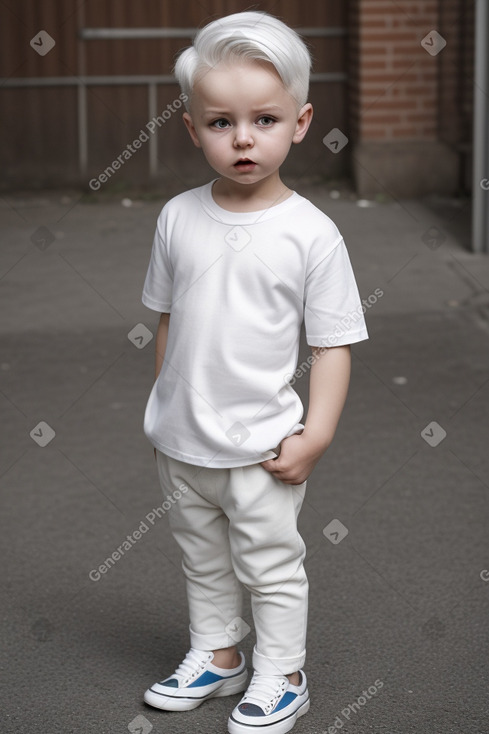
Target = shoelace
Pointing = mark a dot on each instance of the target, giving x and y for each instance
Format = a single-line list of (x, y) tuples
[(195, 661), (265, 691)]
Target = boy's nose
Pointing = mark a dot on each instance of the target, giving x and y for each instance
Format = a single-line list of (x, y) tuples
[(243, 137)]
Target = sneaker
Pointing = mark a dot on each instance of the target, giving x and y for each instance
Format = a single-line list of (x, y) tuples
[(195, 680), (271, 705)]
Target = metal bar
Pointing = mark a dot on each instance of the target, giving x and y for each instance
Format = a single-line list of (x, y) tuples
[(73, 81), (101, 34), (82, 129), (153, 139), (82, 113), (97, 34), (480, 184)]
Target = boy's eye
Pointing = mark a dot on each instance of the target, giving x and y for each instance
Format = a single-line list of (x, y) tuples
[(266, 121), (220, 124)]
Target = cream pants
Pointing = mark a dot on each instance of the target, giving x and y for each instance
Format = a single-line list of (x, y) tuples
[(238, 527)]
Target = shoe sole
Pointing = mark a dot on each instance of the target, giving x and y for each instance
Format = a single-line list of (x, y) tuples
[(280, 727), (176, 703)]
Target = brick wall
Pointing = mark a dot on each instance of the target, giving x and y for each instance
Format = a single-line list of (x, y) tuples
[(394, 88)]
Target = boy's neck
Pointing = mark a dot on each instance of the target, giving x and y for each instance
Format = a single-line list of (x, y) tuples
[(237, 197)]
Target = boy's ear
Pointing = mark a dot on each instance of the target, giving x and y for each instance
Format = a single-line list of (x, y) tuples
[(191, 129), (303, 121)]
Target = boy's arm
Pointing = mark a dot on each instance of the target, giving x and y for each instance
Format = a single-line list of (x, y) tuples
[(328, 387), (161, 339), (160, 345)]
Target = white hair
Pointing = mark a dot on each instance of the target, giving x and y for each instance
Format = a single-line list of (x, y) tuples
[(249, 35)]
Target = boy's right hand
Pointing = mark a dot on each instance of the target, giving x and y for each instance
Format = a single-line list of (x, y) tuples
[(297, 459)]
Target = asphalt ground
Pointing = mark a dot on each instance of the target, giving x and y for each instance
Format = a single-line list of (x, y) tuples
[(398, 636)]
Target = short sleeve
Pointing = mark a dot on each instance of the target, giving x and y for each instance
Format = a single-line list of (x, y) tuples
[(333, 311), (158, 285)]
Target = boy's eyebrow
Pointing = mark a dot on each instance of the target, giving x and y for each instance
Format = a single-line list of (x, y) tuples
[(267, 107), (215, 111)]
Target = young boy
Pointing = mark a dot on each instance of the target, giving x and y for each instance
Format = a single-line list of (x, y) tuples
[(237, 265)]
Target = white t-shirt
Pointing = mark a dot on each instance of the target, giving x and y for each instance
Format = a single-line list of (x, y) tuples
[(238, 286)]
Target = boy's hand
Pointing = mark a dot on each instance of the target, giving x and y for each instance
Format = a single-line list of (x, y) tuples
[(297, 459), (328, 385)]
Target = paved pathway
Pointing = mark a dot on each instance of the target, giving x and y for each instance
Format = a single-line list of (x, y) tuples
[(399, 578)]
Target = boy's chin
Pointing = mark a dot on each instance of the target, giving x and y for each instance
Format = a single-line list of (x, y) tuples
[(240, 179)]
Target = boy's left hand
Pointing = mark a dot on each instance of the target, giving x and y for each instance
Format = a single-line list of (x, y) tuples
[(296, 461)]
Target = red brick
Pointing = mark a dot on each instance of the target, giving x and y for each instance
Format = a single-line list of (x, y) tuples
[(409, 131), (424, 117), (374, 64), (405, 104), (375, 7), (390, 36), (374, 117), (390, 76), (372, 50)]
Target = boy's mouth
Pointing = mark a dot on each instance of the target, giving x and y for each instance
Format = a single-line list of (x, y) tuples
[(245, 164)]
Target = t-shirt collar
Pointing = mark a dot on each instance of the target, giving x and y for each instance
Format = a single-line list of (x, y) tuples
[(235, 218)]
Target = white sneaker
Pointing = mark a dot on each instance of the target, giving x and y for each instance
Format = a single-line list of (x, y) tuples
[(271, 705), (195, 680)]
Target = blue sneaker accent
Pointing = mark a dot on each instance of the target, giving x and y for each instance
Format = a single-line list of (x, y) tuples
[(205, 679), (271, 705), (195, 680), (288, 698)]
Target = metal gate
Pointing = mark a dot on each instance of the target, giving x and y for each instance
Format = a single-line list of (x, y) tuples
[(82, 82)]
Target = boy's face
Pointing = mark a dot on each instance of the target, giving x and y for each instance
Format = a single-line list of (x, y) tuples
[(241, 111)]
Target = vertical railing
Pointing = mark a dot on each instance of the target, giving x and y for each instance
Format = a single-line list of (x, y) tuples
[(480, 192)]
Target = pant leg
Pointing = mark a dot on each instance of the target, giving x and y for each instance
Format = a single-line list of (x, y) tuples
[(268, 555), (200, 528)]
